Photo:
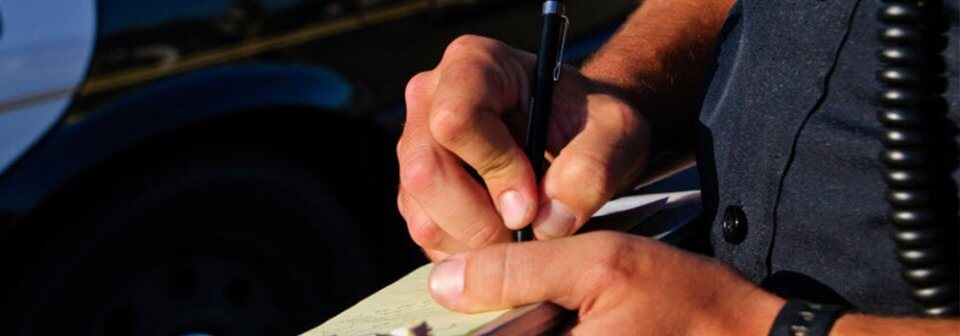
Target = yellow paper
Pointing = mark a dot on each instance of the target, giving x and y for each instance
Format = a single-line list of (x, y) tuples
[(397, 305)]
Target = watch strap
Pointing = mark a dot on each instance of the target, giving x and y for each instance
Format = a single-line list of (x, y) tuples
[(803, 318)]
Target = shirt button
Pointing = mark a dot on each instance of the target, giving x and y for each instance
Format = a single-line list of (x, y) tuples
[(734, 225)]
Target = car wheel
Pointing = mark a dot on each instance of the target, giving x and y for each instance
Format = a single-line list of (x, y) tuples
[(197, 242)]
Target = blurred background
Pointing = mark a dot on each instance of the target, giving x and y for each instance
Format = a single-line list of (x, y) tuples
[(217, 167)]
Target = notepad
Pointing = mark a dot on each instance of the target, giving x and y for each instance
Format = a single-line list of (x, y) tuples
[(408, 299), (397, 305)]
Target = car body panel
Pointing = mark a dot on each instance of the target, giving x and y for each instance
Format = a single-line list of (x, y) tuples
[(78, 145), (45, 48)]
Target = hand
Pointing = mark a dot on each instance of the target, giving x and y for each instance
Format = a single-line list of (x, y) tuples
[(471, 109), (620, 284)]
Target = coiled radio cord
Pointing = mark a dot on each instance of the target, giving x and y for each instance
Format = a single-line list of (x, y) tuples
[(919, 152)]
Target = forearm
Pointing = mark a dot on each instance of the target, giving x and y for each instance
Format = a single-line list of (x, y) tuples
[(657, 61), (856, 324)]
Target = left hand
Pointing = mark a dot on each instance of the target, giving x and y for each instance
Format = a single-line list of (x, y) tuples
[(620, 284)]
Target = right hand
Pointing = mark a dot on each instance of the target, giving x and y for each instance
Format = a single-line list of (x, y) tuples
[(472, 109)]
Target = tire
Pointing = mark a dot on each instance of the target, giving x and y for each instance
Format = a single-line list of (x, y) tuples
[(203, 241)]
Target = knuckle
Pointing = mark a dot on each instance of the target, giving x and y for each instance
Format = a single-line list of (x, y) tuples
[(478, 62), (623, 117), (451, 125), (473, 69), (485, 72), (465, 43), (469, 44), (418, 170), (425, 232), (611, 260), (473, 57), (589, 173), (416, 86), (614, 117), (399, 147)]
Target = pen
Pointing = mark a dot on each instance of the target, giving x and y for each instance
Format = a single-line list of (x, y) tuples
[(553, 36)]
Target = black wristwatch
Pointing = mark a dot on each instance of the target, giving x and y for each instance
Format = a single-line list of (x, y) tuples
[(802, 318)]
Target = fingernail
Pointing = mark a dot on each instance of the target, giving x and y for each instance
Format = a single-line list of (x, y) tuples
[(554, 220), (446, 279), (513, 208)]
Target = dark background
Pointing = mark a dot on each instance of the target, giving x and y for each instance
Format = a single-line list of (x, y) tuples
[(228, 166)]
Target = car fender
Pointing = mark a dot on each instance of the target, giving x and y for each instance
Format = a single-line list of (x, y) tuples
[(45, 49), (83, 140)]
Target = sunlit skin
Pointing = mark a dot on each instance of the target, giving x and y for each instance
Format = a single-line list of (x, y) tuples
[(617, 122)]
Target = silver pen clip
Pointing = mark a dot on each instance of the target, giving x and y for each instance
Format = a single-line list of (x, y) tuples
[(555, 7), (563, 44)]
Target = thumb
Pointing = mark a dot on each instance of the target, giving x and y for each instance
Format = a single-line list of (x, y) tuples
[(605, 156), (568, 272)]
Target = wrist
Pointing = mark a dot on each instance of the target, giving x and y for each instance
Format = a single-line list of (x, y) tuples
[(758, 314), (753, 315), (749, 311)]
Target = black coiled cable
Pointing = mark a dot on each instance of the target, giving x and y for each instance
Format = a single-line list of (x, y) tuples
[(919, 153)]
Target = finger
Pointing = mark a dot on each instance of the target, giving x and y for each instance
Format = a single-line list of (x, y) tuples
[(436, 180), (418, 97), (451, 198), (422, 228), (433, 254), (569, 272), (600, 160), (479, 81)]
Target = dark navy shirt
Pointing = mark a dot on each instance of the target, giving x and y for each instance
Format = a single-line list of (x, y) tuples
[(788, 133)]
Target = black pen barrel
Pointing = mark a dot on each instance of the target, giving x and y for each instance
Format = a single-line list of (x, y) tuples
[(548, 56), (540, 102)]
